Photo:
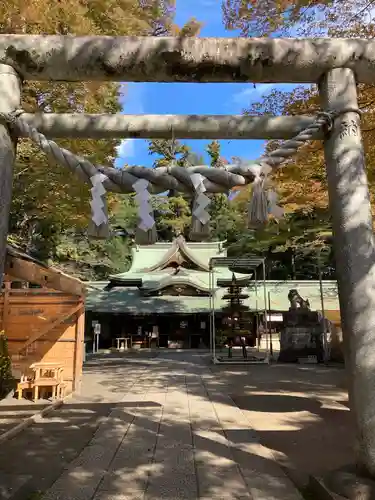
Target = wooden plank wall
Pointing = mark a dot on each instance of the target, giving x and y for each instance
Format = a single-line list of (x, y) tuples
[(24, 313)]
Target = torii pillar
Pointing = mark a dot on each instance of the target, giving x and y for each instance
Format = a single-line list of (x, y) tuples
[(10, 98), (354, 248)]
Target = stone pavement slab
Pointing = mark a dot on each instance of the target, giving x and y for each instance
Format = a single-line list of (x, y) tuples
[(14, 411), (33, 460), (170, 431), (299, 412)]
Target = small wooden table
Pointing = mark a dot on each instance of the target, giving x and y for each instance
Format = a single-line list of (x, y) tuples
[(48, 375), (120, 339), (25, 384)]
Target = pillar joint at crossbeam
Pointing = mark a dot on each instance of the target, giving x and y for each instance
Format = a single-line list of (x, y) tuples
[(10, 98)]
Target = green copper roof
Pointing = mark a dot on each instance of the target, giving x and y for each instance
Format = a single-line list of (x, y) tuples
[(198, 279), (130, 300), (157, 280), (152, 266), (150, 258)]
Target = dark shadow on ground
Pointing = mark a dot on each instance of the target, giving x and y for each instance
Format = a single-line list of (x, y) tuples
[(279, 403), (12, 412), (306, 436), (312, 432), (70, 432), (45, 451)]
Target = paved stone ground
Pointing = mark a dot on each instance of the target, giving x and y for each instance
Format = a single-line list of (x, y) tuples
[(145, 427), (12, 411), (299, 412), (35, 458)]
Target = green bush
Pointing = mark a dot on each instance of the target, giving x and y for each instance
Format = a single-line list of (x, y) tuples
[(221, 338), (6, 379)]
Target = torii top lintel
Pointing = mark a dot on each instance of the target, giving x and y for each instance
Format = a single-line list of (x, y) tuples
[(173, 59)]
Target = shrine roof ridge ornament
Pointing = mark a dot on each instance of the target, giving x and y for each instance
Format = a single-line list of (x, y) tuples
[(190, 59)]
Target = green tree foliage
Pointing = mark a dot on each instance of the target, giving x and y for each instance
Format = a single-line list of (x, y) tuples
[(298, 17), (173, 212), (305, 233), (226, 222), (169, 151), (172, 216), (294, 244), (97, 259), (213, 149), (6, 377), (50, 209), (46, 199)]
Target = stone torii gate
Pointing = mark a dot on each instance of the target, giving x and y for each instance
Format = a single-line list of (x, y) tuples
[(336, 65)]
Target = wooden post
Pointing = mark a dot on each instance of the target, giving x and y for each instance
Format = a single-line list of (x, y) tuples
[(354, 251), (10, 96), (78, 350), (270, 323), (7, 288)]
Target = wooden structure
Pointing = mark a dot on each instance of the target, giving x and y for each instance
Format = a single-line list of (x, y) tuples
[(46, 376), (336, 345), (43, 324)]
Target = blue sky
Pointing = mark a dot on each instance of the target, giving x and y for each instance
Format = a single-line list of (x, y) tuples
[(193, 98)]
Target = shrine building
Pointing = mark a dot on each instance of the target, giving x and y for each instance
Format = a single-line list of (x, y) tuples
[(165, 298), (167, 291)]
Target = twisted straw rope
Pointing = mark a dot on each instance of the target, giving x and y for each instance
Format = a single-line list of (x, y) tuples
[(172, 177), (275, 158)]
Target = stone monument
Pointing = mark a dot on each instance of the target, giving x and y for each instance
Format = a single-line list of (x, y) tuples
[(301, 334)]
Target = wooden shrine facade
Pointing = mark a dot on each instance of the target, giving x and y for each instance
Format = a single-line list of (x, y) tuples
[(42, 315)]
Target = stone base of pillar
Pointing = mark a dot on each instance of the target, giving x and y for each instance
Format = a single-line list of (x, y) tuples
[(345, 483)]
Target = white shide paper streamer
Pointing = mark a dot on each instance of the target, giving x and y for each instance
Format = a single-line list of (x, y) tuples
[(146, 221), (97, 204), (201, 201)]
